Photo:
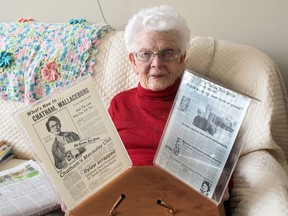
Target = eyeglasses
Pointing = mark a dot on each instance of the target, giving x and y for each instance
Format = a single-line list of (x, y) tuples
[(164, 55)]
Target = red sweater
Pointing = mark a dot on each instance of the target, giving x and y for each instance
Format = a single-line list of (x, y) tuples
[(140, 116)]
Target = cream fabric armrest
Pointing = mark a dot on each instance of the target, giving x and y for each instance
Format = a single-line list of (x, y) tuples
[(260, 186)]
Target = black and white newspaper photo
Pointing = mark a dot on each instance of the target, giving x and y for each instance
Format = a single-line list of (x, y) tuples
[(76, 140), (200, 132)]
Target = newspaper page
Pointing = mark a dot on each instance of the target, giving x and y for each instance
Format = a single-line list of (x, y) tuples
[(76, 140), (26, 191), (200, 132)]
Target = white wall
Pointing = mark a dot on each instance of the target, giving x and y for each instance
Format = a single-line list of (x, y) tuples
[(259, 23)]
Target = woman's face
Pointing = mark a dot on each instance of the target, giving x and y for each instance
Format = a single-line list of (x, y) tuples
[(55, 127), (157, 75)]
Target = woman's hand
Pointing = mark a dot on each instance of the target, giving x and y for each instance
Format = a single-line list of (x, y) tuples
[(226, 195)]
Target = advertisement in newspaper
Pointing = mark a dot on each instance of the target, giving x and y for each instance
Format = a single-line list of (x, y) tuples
[(200, 132), (25, 190), (76, 140)]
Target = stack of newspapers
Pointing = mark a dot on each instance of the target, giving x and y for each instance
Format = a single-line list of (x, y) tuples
[(5, 152), (26, 191)]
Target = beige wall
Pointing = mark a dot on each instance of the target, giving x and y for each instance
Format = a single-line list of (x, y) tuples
[(259, 23)]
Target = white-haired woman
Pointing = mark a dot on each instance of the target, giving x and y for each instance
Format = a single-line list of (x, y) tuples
[(156, 40)]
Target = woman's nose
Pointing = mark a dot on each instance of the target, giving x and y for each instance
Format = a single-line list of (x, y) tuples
[(156, 62)]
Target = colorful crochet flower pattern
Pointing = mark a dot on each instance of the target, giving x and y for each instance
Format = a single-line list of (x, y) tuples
[(5, 59), (75, 21), (50, 71), (44, 57)]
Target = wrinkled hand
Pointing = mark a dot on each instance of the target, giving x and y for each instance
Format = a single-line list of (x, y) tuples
[(63, 206), (226, 195)]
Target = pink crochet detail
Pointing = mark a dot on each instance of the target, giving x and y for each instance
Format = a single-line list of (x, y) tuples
[(50, 71), (25, 20)]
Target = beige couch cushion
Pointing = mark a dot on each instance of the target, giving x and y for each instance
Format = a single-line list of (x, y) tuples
[(9, 130), (112, 71)]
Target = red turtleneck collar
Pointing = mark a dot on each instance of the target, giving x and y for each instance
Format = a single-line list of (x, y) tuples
[(166, 94)]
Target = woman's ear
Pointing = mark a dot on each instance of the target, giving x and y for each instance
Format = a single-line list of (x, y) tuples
[(182, 62), (182, 58), (131, 58), (132, 61)]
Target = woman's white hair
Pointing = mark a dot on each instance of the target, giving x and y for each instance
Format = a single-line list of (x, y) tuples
[(162, 19)]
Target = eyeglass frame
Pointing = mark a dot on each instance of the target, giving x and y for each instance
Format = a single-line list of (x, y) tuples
[(159, 53)]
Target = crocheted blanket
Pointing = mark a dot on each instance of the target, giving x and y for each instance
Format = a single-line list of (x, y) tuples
[(38, 58)]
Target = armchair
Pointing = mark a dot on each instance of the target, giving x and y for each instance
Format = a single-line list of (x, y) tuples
[(260, 178)]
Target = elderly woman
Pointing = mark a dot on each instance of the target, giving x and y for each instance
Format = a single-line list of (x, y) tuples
[(157, 40)]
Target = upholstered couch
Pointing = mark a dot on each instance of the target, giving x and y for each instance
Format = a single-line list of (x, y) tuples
[(260, 178)]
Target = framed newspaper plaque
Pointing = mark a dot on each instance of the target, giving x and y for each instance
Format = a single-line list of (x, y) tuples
[(75, 140), (204, 134)]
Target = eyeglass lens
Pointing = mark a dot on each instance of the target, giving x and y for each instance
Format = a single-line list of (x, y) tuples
[(164, 55)]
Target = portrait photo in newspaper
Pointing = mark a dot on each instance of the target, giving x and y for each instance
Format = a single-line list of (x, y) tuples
[(56, 135), (200, 134)]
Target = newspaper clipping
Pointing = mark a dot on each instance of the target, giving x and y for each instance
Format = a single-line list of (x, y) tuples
[(76, 140), (200, 132), (26, 191)]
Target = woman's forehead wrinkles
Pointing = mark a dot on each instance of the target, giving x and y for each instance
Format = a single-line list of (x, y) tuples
[(156, 42)]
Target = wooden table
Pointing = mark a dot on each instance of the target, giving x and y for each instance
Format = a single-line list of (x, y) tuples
[(143, 187)]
